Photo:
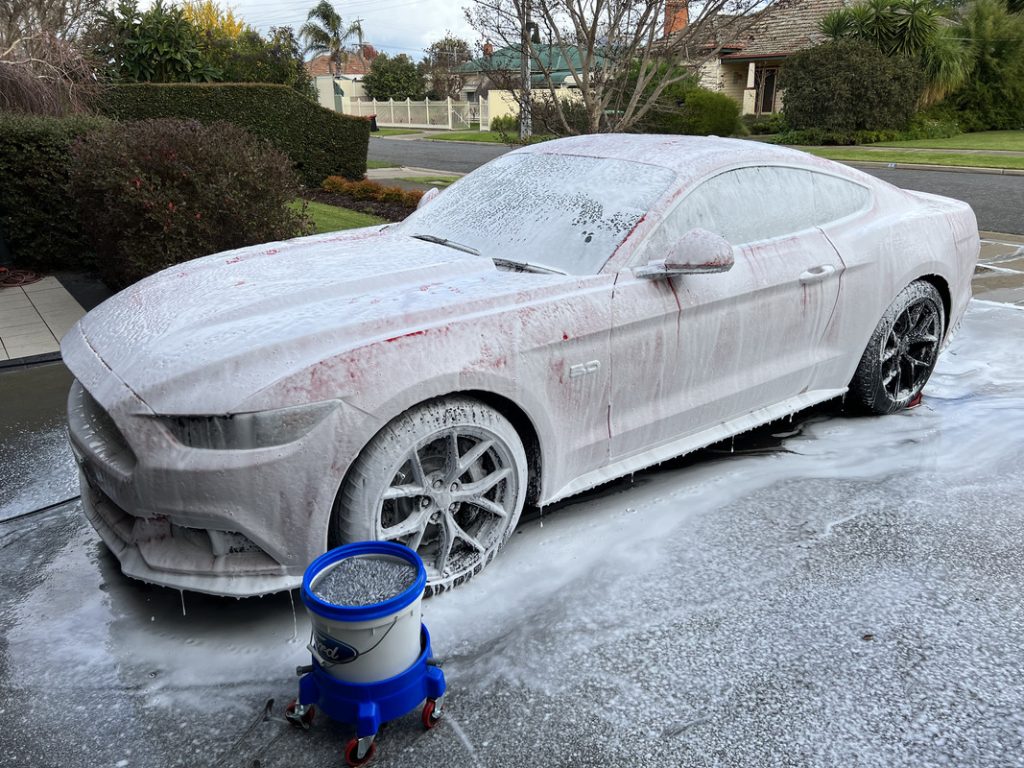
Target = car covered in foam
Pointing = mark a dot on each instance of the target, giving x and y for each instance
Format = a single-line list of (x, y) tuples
[(568, 313)]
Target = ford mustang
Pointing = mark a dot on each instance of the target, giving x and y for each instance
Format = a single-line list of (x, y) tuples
[(566, 314)]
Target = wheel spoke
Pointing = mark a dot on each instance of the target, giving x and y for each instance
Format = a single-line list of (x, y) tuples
[(452, 455), (457, 530), (486, 505), (473, 455), (404, 491), (413, 524), (915, 361), (481, 486), (444, 546), (418, 474)]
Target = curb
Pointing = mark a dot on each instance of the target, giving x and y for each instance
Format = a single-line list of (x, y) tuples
[(31, 360), (928, 167)]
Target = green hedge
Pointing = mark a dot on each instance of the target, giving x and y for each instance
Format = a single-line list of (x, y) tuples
[(38, 217), (321, 143)]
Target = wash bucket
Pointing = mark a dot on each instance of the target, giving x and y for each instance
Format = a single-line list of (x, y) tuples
[(364, 602)]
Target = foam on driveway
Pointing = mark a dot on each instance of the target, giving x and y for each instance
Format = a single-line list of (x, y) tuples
[(850, 598)]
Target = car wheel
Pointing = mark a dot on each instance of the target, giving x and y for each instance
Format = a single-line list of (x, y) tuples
[(447, 479), (902, 351)]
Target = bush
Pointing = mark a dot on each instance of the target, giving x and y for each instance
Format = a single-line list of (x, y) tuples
[(846, 86), (546, 120), (371, 190), (155, 193), (699, 112), (763, 125), (38, 217), (505, 124), (319, 142)]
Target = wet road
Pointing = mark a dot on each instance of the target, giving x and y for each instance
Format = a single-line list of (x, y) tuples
[(998, 201), (844, 593)]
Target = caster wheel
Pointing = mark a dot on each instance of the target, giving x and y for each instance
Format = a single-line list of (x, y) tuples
[(432, 714), (352, 750), (299, 721)]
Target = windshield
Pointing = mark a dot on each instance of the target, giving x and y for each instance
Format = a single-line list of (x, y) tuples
[(562, 212)]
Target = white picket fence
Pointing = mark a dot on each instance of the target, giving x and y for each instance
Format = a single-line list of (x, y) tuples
[(453, 115)]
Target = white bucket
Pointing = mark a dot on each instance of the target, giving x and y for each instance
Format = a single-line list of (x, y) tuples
[(365, 643)]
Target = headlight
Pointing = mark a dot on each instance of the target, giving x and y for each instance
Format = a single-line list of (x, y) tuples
[(242, 431)]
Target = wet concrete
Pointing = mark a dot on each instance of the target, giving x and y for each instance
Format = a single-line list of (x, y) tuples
[(833, 591), (36, 465)]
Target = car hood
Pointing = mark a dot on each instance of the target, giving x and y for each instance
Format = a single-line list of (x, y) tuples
[(206, 335)]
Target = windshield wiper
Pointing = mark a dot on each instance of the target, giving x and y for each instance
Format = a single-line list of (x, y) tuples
[(447, 243), (528, 266)]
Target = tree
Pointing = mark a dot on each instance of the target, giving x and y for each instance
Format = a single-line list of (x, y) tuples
[(442, 66), (913, 28), (252, 58), (602, 42), (158, 45), (844, 86), (394, 77), (325, 34), (993, 98), (210, 18)]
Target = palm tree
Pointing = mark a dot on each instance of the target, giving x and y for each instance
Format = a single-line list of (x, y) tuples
[(325, 34), (913, 28)]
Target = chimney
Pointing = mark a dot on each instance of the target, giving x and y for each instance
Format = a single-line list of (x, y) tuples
[(677, 16), (488, 50)]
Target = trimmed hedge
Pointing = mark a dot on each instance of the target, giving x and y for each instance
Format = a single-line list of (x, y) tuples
[(38, 213), (319, 142)]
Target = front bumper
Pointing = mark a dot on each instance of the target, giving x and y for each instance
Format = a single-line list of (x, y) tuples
[(224, 522)]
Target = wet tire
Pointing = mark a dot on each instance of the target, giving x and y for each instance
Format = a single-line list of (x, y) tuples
[(447, 478), (901, 353)]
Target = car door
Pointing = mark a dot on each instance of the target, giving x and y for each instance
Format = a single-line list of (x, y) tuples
[(694, 351)]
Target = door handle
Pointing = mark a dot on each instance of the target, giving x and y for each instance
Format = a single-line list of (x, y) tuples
[(816, 274)]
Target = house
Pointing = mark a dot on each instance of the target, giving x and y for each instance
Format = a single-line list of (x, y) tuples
[(500, 69), (334, 83), (746, 68)]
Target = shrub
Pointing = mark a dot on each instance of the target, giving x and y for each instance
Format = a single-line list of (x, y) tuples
[(38, 216), (154, 193), (371, 190), (319, 142), (696, 111), (546, 117), (845, 86), (763, 125), (505, 124)]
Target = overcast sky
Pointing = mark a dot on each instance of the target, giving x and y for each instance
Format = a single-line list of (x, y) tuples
[(393, 26)]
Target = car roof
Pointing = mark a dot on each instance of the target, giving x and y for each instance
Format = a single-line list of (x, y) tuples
[(690, 157)]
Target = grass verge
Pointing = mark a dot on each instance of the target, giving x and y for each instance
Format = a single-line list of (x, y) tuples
[(850, 154), (380, 164), (437, 181), (331, 218), (394, 131), (1003, 140)]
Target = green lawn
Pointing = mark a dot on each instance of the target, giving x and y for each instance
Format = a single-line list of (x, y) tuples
[(1012, 140), (331, 218), (852, 154), (437, 181), (394, 131), (491, 137), (380, 164)]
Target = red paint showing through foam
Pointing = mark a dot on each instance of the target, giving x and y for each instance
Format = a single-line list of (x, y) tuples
[(405, 335)]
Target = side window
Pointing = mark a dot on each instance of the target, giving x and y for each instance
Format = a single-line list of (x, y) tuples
[(750, 204)]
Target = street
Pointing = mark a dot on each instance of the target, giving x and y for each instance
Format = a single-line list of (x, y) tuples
[(998, 201)]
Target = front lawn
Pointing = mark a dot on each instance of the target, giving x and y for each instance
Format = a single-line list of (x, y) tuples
[(490, 137), (394, 131), (331, 218), (1003, 140), (437, 181), (854, 154), (371, 164)]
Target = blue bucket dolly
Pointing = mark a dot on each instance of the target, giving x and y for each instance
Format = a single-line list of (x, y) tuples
[(366, 706)]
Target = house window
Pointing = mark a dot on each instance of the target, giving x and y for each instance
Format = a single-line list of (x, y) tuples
[(765, 80)]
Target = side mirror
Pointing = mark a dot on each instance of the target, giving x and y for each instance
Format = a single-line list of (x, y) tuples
[(698, 252), (429, 195)]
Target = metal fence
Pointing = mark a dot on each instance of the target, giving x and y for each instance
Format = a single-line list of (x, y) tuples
[(453, 115)]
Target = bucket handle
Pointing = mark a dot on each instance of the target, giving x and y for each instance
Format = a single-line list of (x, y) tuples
[(311, 647)]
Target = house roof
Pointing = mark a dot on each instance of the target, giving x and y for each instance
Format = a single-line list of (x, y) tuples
[(544, 58), (784, 29), (351, 63)]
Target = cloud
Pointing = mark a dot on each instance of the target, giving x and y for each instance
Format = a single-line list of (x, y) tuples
[(393, 26)]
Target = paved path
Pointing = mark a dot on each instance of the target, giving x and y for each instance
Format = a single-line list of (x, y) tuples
[(34, 317)]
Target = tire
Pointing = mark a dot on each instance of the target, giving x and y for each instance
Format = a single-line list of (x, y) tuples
[(902, 351), (405, 487)]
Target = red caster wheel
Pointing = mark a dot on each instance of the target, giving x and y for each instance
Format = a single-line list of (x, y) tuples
[(299, 719), (432, 713), (352, 753)]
